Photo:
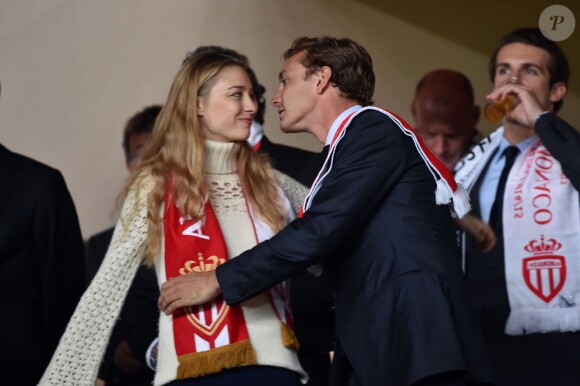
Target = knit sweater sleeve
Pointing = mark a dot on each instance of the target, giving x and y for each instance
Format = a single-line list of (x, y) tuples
[(294, 190), (76, 360)]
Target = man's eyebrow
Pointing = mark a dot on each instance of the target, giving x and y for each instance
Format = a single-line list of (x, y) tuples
[(534, 65), (525, 65)]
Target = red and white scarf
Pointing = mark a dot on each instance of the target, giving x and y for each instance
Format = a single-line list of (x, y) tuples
[(447, 190), (211, 336), (541, 231)]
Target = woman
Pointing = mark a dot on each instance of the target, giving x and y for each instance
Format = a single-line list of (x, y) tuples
[(199, 197)]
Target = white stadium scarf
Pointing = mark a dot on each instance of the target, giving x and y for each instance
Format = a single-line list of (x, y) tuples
[(541, 230), (447, 190)]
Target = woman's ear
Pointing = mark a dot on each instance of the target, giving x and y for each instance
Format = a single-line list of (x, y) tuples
[(200, 105)]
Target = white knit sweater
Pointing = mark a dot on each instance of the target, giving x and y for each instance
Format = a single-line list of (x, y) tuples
[(77, 358)]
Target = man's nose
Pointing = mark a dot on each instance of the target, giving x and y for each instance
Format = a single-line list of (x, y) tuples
[(275, 98), (515, 78), (438, 145)]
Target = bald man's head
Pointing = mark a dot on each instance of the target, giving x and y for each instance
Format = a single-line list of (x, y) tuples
[(445, 114)]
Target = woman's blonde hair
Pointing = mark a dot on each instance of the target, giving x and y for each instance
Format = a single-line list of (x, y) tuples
[(176, 149)]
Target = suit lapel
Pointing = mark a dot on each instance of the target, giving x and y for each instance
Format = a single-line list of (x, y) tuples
[(7, 171), (474, 194)]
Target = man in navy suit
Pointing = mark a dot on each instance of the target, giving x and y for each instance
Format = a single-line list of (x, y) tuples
[(372, 221)]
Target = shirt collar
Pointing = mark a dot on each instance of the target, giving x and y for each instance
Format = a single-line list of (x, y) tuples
[(256, 134), (338, 121), (523, 145)]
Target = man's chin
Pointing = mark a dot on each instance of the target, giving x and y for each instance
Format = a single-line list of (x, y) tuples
[(290, 130), (515, 122), (450, 162)]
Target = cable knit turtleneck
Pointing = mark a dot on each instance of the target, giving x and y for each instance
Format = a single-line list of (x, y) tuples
[(227, 198), (221, 157)]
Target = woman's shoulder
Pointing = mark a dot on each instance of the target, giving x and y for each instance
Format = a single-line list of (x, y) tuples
[(141, 185), (285, 181), (294, 190)]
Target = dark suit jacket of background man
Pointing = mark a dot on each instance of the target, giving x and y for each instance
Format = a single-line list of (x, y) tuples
[(535, 359), (391, 253), (302, 165), (41, 265)]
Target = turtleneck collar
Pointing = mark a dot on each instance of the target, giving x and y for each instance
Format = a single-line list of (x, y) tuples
[(221, 157)]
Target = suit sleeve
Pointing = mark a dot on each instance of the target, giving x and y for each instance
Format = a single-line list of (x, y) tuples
[(91, 259), (58, 238), (563, 141), (140, 314), (368, 163)]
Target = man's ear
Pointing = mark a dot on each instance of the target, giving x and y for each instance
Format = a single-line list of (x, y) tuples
[(323, 75), (557, 92), (413, 109)]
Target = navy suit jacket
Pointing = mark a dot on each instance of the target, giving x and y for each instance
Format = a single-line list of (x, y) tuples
[(392, 256), (41, 265)]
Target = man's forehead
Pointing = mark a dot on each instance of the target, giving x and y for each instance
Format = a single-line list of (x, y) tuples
[(293, 63), (442, 96), (522, 53)]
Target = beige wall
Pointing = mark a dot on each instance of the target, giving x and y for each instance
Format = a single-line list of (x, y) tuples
[(72, 71)]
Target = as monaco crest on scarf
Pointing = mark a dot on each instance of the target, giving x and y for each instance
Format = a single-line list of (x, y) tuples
[(544, 272)]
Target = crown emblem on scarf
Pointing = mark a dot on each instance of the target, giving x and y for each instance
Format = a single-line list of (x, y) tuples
[(540, 247), (202, 264)]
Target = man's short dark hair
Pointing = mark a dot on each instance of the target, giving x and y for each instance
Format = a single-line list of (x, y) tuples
[(259, 89), (558, 64), (351, 64), (142, 122)]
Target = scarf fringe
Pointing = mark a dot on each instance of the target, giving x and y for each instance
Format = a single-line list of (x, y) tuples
[(213, 361), (289, 339), (460, 198), (461, 203), (443, 193), (529, 321)]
